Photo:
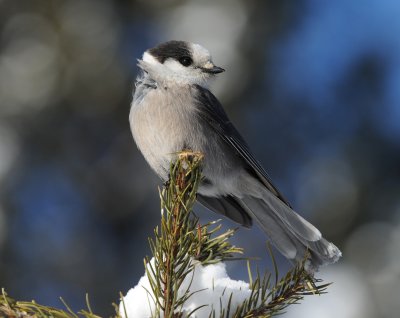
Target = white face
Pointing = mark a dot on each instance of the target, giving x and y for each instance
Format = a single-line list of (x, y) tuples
[(195, 68)]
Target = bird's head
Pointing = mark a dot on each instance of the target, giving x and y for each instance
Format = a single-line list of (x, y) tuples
[(179, 63)]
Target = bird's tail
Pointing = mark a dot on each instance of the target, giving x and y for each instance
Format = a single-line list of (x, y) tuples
[(290, 233)]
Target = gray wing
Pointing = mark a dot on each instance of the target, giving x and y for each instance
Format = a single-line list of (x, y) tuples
[(211, 111), (229, 206), (291, 234)]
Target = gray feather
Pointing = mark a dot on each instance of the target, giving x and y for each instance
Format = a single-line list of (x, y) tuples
[(211, 111), (227, 206), (290, 233)]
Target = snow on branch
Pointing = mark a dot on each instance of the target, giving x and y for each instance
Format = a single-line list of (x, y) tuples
[(186, 276)]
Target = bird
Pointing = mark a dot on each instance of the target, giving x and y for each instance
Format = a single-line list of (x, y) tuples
[(173, 109)]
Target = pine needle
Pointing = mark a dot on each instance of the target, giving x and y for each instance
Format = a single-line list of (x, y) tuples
[(180, 241)]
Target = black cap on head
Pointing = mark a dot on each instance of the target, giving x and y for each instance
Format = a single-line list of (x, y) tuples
[(170, 49)]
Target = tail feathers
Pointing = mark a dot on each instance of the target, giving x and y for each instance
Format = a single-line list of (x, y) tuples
[(291, 219), (290, 233)]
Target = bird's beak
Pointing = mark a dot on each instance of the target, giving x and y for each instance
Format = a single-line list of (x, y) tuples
[(211, 68)]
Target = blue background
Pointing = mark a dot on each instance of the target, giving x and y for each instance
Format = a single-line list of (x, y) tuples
[(313, 86)]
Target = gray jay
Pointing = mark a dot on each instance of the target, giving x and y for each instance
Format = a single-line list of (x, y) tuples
[(173, 110)]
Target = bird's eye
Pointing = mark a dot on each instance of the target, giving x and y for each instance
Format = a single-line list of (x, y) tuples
[(185, 60)]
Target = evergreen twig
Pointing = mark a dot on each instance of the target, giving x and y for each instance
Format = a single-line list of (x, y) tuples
[(11, 308), (180, 239), (178, 243)]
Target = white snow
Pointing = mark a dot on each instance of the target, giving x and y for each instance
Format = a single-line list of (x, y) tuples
[(211, 283)]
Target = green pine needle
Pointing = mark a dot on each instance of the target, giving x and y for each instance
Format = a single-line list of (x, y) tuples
[(178, 242)]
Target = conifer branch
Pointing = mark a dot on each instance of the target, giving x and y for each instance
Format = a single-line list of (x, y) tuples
[(179, 244), (180, 239), (193, 241)]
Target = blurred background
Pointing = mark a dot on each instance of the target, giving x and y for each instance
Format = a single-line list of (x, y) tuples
[(314, 86)]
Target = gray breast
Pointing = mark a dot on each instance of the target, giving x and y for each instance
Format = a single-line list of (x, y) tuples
[(166, 121), (163, 122)]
